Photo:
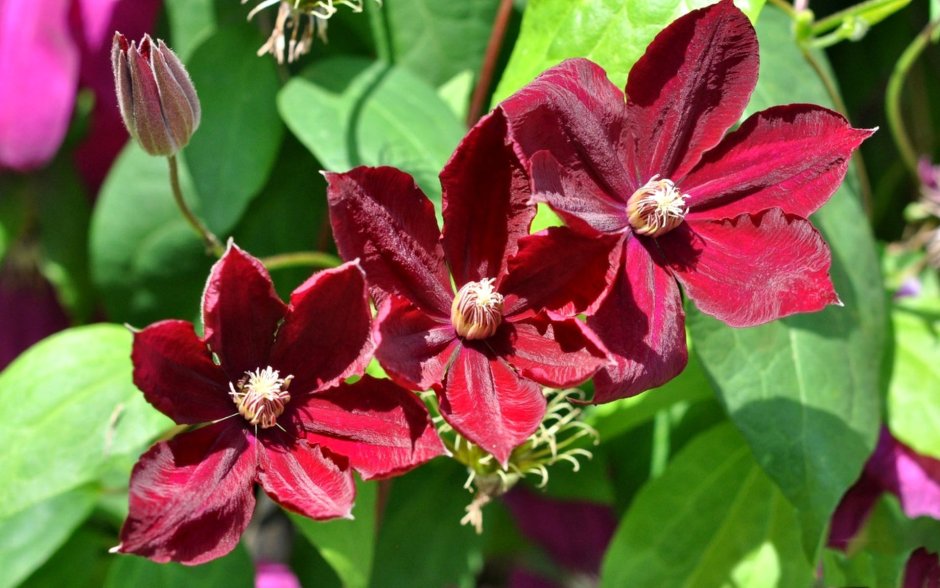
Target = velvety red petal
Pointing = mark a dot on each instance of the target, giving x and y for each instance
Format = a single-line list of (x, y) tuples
[(486, 202), (381, 216), (558, 353), (191, 497), (174, 369), (561, 271), (573, 111), (415, 347), (752, 269), (380, 427), (303, 478), (690, 86), (789, 157), (575, 197), (486, 402), (240, 312), (642, 324), (327, 333)]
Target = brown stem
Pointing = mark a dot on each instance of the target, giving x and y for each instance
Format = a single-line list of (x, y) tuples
[(480, 92)]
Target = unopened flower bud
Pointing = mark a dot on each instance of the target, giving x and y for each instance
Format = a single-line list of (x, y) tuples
[(157, 99)]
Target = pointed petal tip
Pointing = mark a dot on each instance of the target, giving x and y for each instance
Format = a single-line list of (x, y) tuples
[(134, 330), (116, 548)]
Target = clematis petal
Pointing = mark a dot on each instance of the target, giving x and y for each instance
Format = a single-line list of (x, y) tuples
[(560, 271), (239, 295), (39, 67), (327, 332), (913, 477), (752, 269), (486, 402), (642, 324), (416, 348), (573, 111), (191, 497), (558, 353), (690, 86), (575, 197), (174, 369), (486, 202), (789, 157), (380, 427), (380, 216), (303, 478)]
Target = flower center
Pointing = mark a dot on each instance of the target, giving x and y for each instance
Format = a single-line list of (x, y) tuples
[(477, 310), (656, 208), (261, 396)]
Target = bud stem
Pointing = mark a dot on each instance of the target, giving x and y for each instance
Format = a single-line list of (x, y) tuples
[(213, 245)]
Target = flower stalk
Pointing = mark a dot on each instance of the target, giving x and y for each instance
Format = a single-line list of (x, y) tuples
[(213, 245)]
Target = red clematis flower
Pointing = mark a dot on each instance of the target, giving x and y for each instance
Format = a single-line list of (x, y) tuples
[(722, 215), (267, 378), (485, 348)]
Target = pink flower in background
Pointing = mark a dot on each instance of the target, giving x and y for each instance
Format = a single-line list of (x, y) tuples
[(48, 50)]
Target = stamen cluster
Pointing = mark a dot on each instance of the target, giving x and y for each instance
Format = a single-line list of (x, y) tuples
[(657, 208), (477, 310), (261, 396)]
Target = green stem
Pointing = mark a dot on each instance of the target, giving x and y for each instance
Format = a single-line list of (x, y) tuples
[(213, 245), (893, 94), (301, 259)]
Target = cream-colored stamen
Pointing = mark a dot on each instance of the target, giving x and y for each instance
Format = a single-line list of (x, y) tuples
[(656, 208), (477, 310), (261, 396)]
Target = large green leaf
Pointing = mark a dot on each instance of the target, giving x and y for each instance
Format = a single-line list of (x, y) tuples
[(232, 571), (348, 546), (804, 390), (81, 562), (30, 536), (350, 111), (913, 405), (437, 39), (71, 407), (233, 151), (612, 33), (712, 519), (146, 261), (421, 541), (191, 22)]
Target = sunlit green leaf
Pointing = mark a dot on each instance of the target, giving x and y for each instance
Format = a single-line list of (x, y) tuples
[(913, 403), (805, 389), (191, 22), (712, 519), (612, 33)]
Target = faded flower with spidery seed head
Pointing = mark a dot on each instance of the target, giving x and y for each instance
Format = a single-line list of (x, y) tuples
[(265, 388), (722, 214), (157, 99)]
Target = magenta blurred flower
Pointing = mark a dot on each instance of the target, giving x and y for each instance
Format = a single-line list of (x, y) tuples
[(267, 381), (722, 215), (30, 311), (922, 570), (929, 175), (485, 348), (896, 468), (272, 574), (48, 50)]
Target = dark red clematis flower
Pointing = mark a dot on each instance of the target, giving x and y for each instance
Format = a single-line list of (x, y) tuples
[(722, 215), (268, 379), (485, 348)]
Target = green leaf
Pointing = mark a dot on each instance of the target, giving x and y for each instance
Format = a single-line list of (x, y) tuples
[(232, 571), (437, 39), (347, 546), (712, 519), (81, 562), (913, 405), (146, 261), (31, 536), (421, 541), (804, 390), (71, 406), (350, 111), (191, 22), (612, 33), (233, 151)]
